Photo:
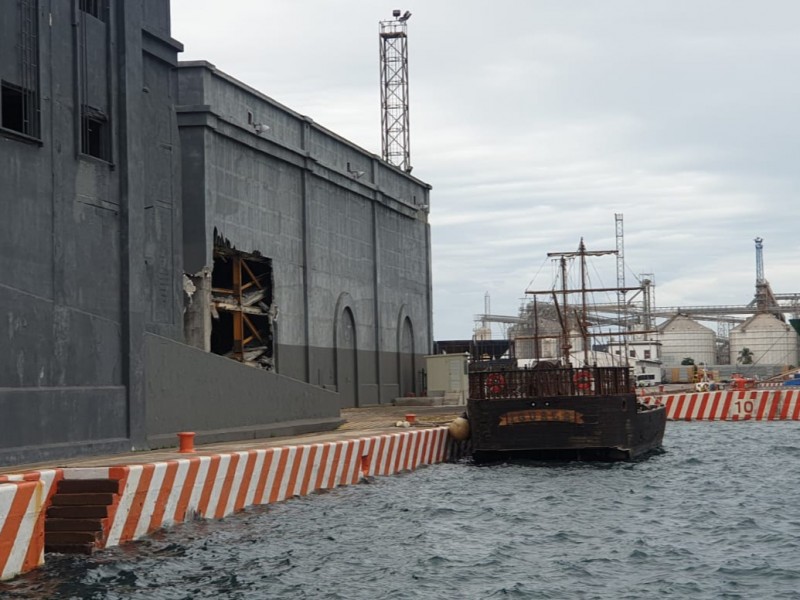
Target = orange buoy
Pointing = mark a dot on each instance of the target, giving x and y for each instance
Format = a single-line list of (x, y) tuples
[(583, 379)]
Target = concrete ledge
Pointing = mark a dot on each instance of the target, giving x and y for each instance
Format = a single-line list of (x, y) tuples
[(254, 432), (426, 401), (31, 457)]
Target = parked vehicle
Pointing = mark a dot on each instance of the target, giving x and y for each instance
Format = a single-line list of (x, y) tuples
[(647, 380)]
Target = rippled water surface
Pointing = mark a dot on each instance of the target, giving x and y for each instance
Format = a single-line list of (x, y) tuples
[(717, 515)]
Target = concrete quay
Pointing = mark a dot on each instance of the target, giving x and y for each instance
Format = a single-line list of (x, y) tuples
[(770, 404), (89, 503)]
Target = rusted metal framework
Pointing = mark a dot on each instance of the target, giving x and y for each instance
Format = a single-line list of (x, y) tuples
[(395, 143), (543, 383), (241, 306)]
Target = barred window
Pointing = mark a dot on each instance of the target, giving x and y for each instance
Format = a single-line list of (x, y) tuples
[(95, 133), (19, 79), (20, 109), (96, 8), (94, 79)]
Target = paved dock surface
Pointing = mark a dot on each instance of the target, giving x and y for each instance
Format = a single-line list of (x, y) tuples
[(359, 422)]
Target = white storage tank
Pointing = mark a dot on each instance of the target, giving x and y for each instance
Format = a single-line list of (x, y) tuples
[(482, 334), (681, 337), (549, 342), (769, 340)]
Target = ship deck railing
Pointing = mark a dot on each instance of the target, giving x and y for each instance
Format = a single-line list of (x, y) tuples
[(550, 382)]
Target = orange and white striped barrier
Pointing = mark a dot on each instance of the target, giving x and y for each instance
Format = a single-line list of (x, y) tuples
[(161, 494), (23, 501), (731, 405)]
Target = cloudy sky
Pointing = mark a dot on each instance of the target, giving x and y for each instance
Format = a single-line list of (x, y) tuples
[(536, 121)]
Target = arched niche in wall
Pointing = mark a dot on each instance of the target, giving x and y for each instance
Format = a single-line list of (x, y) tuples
[(406, 356), (345, 341)]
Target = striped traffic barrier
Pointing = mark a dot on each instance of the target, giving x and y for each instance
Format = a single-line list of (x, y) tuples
[(155, 495), (23, 501), (731, 405), (161, 494)]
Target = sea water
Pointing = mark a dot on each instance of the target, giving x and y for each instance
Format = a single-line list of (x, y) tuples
[(716, 515)]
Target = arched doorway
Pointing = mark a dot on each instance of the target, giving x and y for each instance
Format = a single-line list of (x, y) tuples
[(405, 356), (346, 362)]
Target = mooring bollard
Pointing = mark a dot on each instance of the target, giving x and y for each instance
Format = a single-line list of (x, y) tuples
[(186, 439)]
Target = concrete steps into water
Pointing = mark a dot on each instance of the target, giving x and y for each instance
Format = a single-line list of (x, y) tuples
[(94, 502), (77, 520)]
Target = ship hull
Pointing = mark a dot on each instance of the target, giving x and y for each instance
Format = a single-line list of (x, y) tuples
[(581, 427)]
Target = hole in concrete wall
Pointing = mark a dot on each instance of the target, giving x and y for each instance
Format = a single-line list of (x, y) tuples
[(242, 305)]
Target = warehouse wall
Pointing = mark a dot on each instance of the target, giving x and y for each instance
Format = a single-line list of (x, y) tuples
[(86, 260), (346, 233)]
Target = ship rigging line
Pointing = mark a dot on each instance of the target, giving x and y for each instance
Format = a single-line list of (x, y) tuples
[(541, 266)]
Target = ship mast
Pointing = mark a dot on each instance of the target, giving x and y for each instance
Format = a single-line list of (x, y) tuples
[(565, 345), (583, 321)]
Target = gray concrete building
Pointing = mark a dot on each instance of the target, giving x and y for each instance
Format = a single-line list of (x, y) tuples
[(340, 236), (179, 252)]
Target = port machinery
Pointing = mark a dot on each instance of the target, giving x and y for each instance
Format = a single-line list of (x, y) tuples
[(633, 313)]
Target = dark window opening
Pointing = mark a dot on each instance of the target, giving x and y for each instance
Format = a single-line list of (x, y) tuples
[(95, 134), (96, 8), (242, 306), (20, 109)]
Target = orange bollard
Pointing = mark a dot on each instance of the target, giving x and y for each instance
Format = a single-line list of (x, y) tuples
[(186, 439), (411, 418)]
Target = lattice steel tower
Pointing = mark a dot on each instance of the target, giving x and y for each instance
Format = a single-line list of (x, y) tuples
[(760, 279), (395, 144), (621, 306)]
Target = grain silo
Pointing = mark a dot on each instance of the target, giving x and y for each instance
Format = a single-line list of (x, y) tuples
[(537, 335), (768, 340), (681, 338)]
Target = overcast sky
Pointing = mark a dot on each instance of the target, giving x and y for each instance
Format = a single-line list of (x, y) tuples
[(536, 121)]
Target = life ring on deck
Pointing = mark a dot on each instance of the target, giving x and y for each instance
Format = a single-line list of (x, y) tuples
[(583, 379), (496, 383)]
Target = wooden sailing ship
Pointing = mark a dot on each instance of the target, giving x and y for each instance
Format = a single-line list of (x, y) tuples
[(570, 409)]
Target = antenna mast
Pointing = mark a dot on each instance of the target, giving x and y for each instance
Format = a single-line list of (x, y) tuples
[(396, 148)]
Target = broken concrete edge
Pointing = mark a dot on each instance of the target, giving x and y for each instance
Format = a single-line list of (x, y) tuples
[(161, 494)]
